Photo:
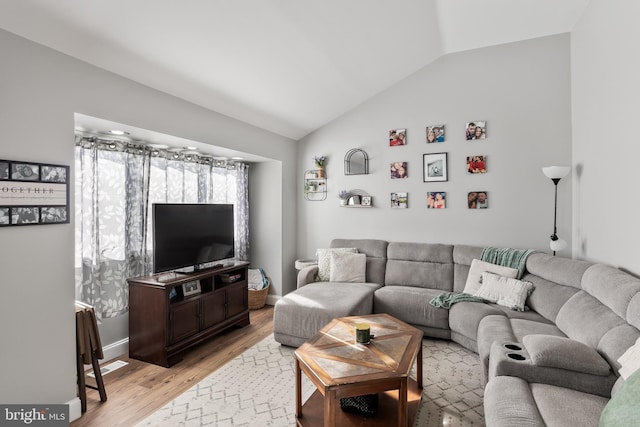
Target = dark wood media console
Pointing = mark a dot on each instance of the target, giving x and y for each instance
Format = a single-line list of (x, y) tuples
[(164, 323)]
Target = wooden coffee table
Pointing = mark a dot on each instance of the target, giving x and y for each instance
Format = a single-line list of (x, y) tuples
[(339, 368)]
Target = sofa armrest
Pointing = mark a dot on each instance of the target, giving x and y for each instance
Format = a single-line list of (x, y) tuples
[(307, 275), (513, 359), (565, 353)]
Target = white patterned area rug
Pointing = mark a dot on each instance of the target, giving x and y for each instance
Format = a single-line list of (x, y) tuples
[(257, 389)]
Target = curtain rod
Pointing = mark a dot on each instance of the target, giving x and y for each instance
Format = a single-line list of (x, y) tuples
[(91, 141)]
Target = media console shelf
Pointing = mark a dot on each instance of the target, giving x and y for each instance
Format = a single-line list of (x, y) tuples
[(164, 323)]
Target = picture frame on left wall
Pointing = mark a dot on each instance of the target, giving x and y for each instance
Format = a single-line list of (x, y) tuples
[(33, 193)]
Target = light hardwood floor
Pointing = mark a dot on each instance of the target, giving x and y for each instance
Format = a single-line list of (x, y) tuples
[(139, 389)]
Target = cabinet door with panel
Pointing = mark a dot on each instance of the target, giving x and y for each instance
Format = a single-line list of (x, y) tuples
[(213, 308), (184, 320), (237, 298)]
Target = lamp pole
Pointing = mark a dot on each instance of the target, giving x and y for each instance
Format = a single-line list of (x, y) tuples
[(554, 236)]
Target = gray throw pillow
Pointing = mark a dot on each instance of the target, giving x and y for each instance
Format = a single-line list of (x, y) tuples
[(565, 353), (348, 267), (324, 261)]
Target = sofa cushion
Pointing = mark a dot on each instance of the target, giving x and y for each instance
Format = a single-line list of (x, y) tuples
[(512, 402), (299, 315), (347, 267), (505, 291), (564, 353), (585, 319), (475, 274), (561, 406), (411, 304), (623, 408), (465, 317), (508, 403), (324, 261), (422, 265)]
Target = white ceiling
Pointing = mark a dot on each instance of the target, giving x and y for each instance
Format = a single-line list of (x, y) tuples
[(288, 66)]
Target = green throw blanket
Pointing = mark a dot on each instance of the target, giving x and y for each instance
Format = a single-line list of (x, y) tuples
[(447, 299), (514, 258)]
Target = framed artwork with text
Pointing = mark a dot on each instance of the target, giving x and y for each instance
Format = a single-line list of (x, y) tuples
[(33, 193)]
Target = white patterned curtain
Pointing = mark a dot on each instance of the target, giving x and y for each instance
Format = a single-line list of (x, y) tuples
[(116, 185)]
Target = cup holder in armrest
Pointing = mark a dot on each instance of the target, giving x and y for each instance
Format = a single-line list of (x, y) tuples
[(513, 347), (516, 356)]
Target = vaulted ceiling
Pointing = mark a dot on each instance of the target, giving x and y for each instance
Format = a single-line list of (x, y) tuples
[(288, 66)]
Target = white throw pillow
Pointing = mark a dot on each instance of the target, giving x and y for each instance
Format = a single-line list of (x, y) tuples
[(324, 261), (630, 360), (505, 291), (348, 267), (476, 270)]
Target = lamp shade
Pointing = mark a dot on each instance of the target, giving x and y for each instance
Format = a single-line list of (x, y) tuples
[(556, 172), (558, 245)]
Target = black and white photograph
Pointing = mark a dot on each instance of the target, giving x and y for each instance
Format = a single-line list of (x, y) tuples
[(478, 200), (476, 130), (4, 170), (25, 172), (54, 173), (191, 288), (366, 200), (4, 216), (53, 214), (24, 215), (435, 167), (435, 134)]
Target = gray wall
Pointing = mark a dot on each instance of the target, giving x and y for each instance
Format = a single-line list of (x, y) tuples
[(41, 90), (606, 93), (521, 89)]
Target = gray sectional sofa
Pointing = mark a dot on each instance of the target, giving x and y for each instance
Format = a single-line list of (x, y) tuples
[(554, 364)]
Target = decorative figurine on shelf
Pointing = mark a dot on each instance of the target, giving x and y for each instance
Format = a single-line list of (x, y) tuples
[(319, 161), (343, 195)]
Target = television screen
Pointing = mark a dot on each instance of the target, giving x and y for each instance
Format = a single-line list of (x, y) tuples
[(186, 235)]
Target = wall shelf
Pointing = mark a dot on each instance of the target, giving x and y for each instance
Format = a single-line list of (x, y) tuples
[(315, 185)]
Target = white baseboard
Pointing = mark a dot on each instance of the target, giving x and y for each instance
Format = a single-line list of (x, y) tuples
[(75, 409), (115, 349)]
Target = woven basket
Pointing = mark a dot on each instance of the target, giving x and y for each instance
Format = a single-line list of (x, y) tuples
[(258, 298)]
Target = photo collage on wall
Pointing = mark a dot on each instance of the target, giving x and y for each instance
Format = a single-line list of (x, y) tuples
[(436, 167), (33, 193)]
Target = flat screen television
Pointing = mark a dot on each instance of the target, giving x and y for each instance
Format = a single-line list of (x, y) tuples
[(190, 235)]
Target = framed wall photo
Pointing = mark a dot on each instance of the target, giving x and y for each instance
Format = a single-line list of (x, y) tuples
[(476, 130), (435, 167), (191, 288), (435, 134), (399, 170), (476, 164), (399, 200), (397, 137), (436, 200), (33, 193), (478, 200)]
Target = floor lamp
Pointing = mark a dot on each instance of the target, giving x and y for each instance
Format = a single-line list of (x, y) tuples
[(556, 173)]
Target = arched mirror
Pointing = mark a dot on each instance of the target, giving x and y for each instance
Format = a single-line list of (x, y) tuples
[(356, 162)]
